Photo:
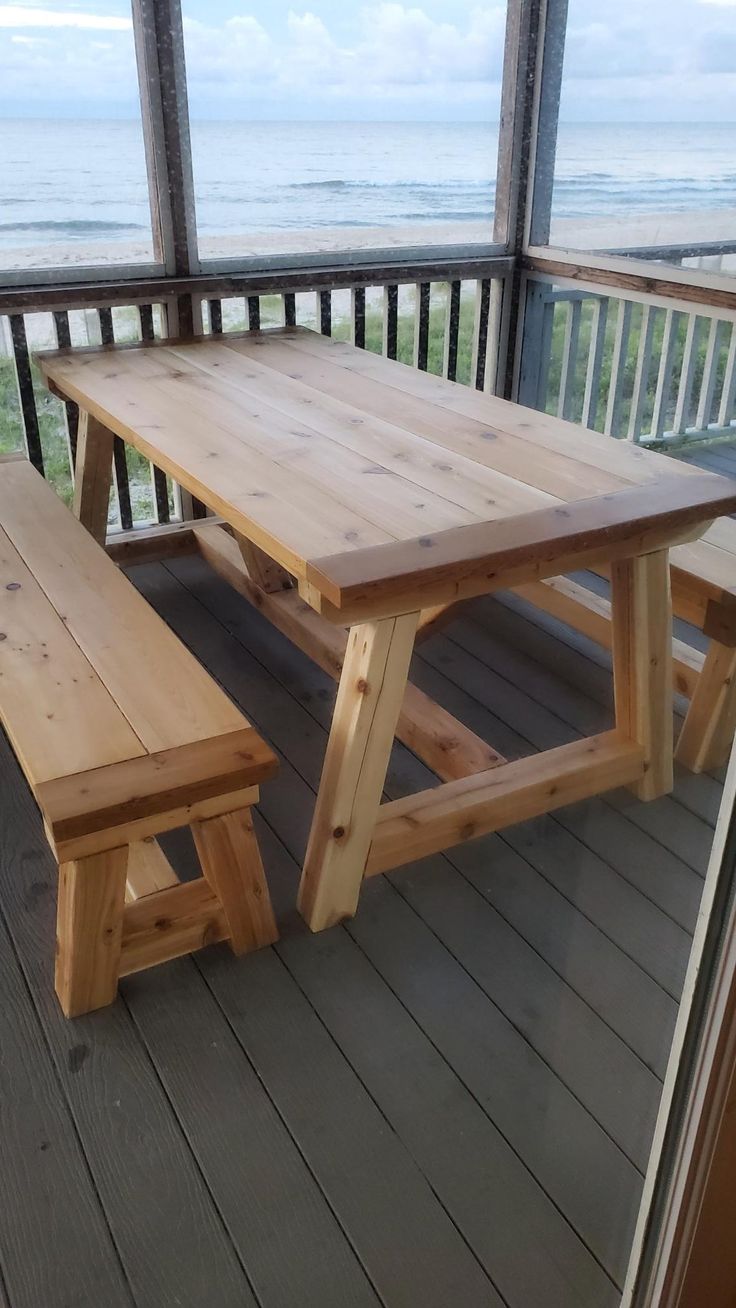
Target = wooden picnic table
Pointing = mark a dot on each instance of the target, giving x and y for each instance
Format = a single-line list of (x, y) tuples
[(364, 494)]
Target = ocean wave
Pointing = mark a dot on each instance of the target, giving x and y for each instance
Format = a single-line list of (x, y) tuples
[(353, 184), (454, 215), (610, 181), (80, 225)]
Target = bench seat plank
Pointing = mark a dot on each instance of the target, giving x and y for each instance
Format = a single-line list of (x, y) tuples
[(157, 684), (75, 724), (706, 568)]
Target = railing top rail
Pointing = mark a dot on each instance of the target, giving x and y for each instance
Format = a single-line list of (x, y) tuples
[(690, 250), (146, 290)]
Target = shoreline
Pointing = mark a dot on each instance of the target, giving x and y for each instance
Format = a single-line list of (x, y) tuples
[(584, 234)]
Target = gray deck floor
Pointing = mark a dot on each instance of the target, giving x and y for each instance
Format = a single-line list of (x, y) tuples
[(447, 1101)]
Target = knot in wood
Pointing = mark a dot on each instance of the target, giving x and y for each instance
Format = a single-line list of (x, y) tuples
[(362, 686)]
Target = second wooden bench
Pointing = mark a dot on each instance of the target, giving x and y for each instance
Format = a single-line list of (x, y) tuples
[(703, 594)]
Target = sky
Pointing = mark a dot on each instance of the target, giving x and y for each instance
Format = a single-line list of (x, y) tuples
[(635, 60)]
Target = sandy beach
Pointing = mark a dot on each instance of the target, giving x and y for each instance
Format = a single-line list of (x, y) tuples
[(577, 234)]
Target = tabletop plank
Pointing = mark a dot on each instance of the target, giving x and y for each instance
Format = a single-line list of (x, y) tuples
[(384, 497), (590, 450), (473, 435), (482, 489)]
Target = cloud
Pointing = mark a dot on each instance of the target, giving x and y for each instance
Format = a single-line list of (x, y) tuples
[(393, 49), (437, 58), (73, 61), (22, 16)]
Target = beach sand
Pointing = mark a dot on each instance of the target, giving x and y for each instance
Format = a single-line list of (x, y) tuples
[(576, 234)]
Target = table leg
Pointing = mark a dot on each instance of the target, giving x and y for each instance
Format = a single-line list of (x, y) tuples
[(93, 475), (369, 698), (642, 664)]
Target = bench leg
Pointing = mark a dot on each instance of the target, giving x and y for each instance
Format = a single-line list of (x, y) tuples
[(708, 729), (641, 613), (89, 930), (231, 862)]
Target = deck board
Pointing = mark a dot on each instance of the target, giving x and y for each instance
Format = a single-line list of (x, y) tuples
[(281, 1226), (398, 1111), (41, 1158)]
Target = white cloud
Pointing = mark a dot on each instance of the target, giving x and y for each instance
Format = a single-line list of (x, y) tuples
[(22, 16), (416, 58), (396, 48)]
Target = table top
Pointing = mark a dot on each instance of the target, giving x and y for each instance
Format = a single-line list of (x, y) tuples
[(361, 475)]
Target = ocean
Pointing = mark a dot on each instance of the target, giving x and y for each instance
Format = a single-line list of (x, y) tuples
[(70, 182)]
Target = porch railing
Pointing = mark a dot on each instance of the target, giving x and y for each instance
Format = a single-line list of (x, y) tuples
[(652, 374)]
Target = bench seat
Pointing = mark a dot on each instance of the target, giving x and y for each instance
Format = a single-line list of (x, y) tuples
[(704, 594), (122, 735)]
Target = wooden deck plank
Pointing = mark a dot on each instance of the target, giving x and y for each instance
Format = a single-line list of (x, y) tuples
[(591, 1061), (410, 1248), (289, 1241), (51, 1251), (140, 1164), (623, 994), (574, 1161), (446, 1131)]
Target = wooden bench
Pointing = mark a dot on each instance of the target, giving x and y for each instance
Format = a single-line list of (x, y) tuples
[(121, 735), (704, 594)]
